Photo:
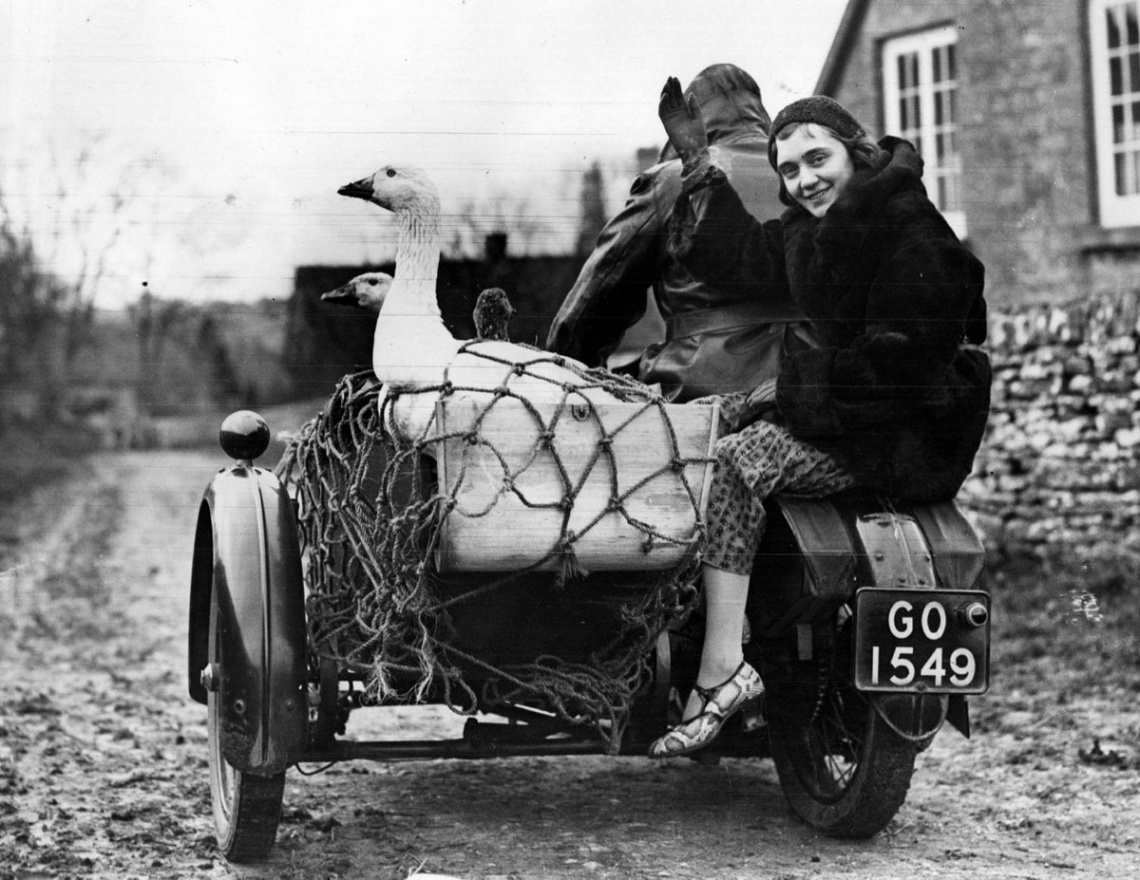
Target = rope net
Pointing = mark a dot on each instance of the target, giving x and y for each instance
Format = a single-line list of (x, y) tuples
[(370, 514)]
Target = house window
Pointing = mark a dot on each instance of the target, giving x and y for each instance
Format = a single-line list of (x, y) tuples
[(920, 90), (1114, 32)]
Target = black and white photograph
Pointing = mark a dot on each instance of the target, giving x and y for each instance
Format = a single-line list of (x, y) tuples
[(569, 439)]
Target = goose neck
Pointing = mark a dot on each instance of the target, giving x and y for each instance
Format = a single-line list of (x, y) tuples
[(417, 264)]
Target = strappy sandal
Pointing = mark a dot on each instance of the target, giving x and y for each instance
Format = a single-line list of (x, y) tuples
[(718, 704)]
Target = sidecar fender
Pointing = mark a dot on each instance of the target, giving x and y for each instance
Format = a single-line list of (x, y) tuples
[(246, 553)]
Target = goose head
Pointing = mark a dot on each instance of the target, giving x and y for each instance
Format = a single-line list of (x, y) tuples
[(396, 188), (366, 291)]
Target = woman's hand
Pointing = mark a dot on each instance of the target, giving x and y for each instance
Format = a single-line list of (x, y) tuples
[(683, 123)]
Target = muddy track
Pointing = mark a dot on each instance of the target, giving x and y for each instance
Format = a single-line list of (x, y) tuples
[(103, 756)]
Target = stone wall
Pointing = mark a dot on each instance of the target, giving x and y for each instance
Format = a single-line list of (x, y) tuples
[(1060, 466)]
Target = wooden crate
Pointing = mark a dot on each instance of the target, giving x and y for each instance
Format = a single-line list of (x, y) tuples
[(509, 482)]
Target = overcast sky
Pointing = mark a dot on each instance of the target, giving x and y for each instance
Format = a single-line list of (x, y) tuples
[(255, 112)]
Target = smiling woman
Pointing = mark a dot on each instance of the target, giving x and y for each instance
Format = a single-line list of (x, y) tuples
[(816, 150), (895, 395), (814, 167)]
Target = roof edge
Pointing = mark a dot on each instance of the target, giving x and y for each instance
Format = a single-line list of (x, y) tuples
[(841, 47)]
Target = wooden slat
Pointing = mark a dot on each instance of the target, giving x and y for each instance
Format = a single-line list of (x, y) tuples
[(495, 529)]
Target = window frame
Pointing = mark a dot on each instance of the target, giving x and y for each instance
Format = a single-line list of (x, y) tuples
[(924, 43), (1115, 210)]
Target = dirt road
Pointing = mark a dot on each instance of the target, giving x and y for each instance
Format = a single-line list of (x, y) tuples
[(103, 756)]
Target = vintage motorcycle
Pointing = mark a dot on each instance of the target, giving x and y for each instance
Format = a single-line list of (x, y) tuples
[(869, 625)]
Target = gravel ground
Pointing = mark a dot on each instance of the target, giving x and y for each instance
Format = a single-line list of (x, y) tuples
[(103, 756)]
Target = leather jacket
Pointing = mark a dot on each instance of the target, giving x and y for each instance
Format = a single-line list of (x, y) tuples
[(720, 338)]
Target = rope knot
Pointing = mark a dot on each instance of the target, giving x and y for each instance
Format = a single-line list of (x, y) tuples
[(570, 568)]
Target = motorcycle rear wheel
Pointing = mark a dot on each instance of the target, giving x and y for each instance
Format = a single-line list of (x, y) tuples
[(843, 770)]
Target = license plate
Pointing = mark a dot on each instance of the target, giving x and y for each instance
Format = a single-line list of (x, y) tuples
[(922, 641)]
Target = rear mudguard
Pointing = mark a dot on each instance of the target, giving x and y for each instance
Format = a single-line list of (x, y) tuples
[(953, 558), (246, 552), (818, 551)]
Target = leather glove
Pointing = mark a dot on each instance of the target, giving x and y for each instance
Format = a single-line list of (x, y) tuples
[(683, 124)]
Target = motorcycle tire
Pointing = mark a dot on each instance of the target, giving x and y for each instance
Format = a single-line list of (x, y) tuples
[(843, 770), (246, 807)]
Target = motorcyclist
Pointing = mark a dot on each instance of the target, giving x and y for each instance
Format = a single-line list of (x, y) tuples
[(719, 338)]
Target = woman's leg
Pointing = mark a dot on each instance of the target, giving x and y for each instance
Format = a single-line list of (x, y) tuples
[(724, 683), (751, 465), (726, 594), (735, 517)]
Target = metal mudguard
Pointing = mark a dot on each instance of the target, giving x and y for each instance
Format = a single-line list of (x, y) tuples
[(925, 545), (841, 542), (247, 552)]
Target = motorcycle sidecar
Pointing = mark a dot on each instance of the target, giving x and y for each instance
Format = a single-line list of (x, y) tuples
[(274, 700), (843, 731)]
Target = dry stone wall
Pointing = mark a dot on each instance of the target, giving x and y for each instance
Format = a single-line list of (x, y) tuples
[(1060, 467)]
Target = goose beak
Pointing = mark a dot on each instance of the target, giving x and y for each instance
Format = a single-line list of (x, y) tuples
[(360, 189), (343, 295)]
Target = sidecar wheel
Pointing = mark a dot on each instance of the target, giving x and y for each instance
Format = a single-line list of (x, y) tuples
[(843, 770), (246, 807)]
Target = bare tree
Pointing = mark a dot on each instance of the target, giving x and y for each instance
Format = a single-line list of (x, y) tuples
[(473, 221), (30, 300), (80, 207), (155, 322), (593, 214), (67, 216), (98, 199)]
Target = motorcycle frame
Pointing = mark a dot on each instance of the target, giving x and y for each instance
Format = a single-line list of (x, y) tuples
[(815, 555)]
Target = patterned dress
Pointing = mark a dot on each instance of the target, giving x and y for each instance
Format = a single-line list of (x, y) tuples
[(751, 464)]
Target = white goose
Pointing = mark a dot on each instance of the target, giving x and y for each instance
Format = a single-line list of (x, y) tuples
[(366, 291), (412, 350)]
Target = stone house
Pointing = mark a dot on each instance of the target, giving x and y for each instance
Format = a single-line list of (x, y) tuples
[(1027, 113)]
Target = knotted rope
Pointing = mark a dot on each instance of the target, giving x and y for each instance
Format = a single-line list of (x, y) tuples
[(370, 517)]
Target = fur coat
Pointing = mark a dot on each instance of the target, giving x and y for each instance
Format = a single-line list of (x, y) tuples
[(897, 388)]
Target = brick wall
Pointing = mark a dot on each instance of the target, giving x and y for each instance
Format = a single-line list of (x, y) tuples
[(1060, 465), (1024, 134)]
